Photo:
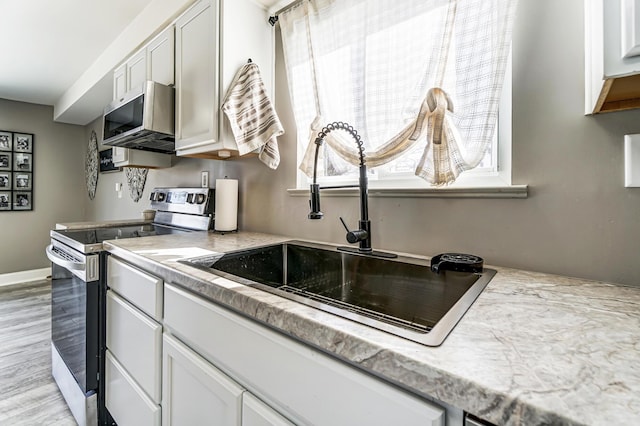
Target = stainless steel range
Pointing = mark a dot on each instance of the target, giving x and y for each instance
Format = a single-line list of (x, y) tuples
[(78, 289)]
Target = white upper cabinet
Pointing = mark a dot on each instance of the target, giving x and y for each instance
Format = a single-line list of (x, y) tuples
[(612, 55), (200, 54), (630, 28), (120, 81), (160, 57), (214, 39), (155, 61), (125, 157), (196, 78), (136, 69)]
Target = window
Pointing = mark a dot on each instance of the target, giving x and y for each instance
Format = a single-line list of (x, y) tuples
[(494, 169), (374, 64)]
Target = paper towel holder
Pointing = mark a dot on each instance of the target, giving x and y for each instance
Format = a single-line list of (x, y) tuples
[(226, 197)]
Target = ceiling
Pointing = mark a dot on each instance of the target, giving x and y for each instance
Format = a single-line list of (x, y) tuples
[(47, 45)]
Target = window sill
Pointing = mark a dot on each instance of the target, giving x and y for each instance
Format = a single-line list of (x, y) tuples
[(507, 191)]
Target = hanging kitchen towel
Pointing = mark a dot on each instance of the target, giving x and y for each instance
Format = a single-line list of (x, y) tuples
[(253, 119)]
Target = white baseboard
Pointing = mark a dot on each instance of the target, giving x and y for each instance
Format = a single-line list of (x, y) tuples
[(24, 276)]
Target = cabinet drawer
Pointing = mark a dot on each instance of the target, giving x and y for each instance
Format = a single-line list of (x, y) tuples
[(138, 287), (194, 391), (304, 384), (136, 342), (125, 400)]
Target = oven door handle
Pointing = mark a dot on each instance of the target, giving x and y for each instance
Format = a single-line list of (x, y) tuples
[(60, 261)]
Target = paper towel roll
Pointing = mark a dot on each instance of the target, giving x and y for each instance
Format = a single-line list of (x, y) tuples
[(226, 205)]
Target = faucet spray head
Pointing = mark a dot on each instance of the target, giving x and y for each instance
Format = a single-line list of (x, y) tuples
[(314, 202)]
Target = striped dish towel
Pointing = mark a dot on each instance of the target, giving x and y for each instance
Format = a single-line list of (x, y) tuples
[(253, 119)]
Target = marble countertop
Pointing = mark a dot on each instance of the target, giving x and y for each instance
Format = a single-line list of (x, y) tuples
[(534, 349)]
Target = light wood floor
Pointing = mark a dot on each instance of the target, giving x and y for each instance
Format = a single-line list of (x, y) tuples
[(28, 394)]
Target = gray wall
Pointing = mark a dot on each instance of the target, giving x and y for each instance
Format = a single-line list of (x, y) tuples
[(183, 172), (58, 185), (578, 220)]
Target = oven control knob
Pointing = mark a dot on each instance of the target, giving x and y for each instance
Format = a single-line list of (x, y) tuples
[(191, 198), (199, 198), (161, 196), (153, 196)]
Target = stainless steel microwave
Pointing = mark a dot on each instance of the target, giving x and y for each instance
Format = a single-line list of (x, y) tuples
[(142, 119)]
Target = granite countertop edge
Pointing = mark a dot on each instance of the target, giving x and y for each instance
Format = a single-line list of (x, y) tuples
[(511, 360), (101, 224)]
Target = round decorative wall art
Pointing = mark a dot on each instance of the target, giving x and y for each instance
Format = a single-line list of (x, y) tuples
[(91, 165)]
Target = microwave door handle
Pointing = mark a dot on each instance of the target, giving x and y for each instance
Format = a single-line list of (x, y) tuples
[(67, 264)]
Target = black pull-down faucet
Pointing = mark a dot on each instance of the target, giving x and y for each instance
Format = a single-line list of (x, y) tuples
[(363, 234)]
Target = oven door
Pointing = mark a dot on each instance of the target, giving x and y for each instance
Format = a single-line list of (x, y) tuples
[(75, 299)]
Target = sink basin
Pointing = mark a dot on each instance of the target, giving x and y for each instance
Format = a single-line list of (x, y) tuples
[(400, 296)]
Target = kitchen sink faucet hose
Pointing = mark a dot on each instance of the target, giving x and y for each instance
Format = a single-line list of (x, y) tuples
[(363, 234)]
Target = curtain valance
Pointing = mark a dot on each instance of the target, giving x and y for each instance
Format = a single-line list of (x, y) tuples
[(403, 73)]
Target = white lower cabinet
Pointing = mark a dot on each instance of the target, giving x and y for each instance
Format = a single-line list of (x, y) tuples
[(257, 413), (133, 373), (138, 287), (195, 392), (136, 342), (303, 384), (125, 399), (202, 364)]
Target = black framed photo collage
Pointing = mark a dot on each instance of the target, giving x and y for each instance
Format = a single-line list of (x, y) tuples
[(16, 171)]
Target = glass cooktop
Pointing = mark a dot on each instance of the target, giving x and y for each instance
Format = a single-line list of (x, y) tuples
[(99, 235)]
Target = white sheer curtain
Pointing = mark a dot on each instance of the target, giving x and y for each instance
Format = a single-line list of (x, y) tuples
[(402, 73)]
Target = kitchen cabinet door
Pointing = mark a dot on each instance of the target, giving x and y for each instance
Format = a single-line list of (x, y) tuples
[(136, 70), (257, 413), (136, 342), (160, 57), (214, 39), (630, 28), (302, 383), (120, 81), (194, 391), (137, 286), (155, 62), (612, 55), (196, 77), (126, 401), (125, 157)]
